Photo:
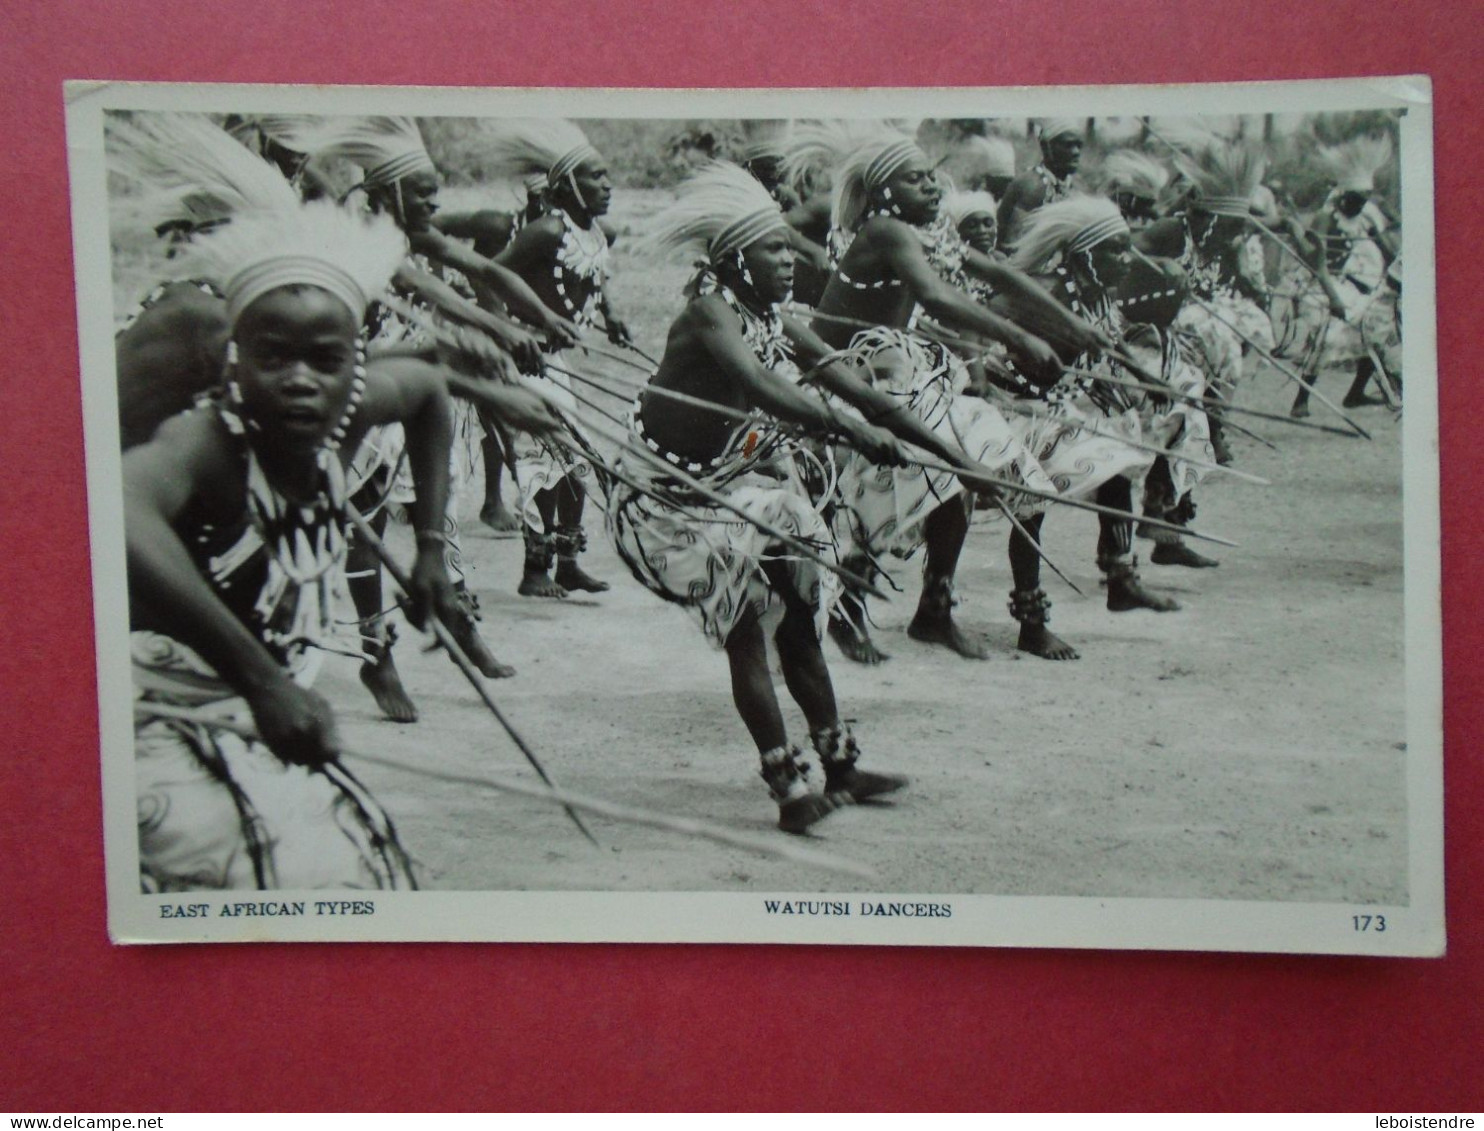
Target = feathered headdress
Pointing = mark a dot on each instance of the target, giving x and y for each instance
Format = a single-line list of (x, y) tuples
[(1186, 135), (1225, 175), (386, 148), (1354, 165), (959, 206), (191, 170), (862, 156), (1075, 224), (1049, 129), (1127, 171), (816, 148), (351, 255), (721, 210), (763, 140), (520, 147), (995, 155)]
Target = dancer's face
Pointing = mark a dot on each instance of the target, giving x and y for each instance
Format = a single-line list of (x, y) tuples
[(978, 231), (594, 186), (296, 356), (915, 191), (1062, 154), (1110, 260), (770, 262)]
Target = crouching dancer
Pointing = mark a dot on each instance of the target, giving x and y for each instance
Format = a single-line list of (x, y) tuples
[(728, 348), (235, 517)]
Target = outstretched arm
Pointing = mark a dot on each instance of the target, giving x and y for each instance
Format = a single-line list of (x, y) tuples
[(877, 407), (520, 344), (188, 458), (718, 329), (949, 305), (1010, 203), (415, 394), (1051, 319), (509, 286)]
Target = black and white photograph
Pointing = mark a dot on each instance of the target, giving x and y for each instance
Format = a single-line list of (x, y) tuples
[(932, 517)]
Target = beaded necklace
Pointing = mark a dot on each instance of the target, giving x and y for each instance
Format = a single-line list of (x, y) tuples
[(579, 270)]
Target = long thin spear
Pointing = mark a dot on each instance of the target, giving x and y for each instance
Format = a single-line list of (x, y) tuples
[(673, 472), (1283, 369), (611, 355), (1265, 355), (739, 415), (635, 349), (1078, 504), (1035, 545), (978, 352), (1143, 446), (445, 638), (629, 814), (1209, 403), (622, 440)]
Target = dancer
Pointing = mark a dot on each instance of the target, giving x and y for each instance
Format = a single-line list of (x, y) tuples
[(729, 347), (564, 256), (1053, 179), (235, 519), (896, 267), (1348, 308)]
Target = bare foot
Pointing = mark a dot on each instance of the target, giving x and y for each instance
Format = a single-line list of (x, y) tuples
[(468, 639), (570, 576), (1125, 593), (385, 684), (1039, 640), (534, 584), (797, 814), (942, 630), (499, 519), (851, 785), (855, 642), (1179, 554)]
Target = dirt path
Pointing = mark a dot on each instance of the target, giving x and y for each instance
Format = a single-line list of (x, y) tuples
[(1248, 747)]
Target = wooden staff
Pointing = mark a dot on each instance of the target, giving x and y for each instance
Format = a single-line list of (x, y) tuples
[(445, 638), (686, 826), (1266, 356), (1283, 368), (1078, 504), (1035, 545), (739, 415)]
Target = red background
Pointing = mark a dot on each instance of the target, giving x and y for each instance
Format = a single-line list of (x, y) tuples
[(89, 1026)]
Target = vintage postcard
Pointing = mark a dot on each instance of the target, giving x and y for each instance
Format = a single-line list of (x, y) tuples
[(930, 517)]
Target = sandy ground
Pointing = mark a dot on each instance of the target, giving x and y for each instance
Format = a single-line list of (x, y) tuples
[(1247, 747)]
